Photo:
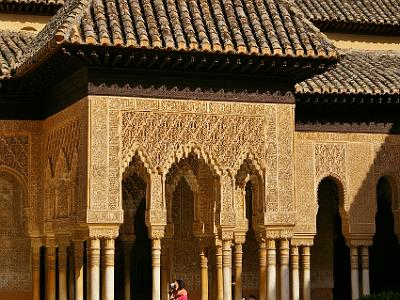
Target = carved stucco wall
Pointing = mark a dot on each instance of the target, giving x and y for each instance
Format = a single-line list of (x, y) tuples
[(356, 162), (64, 143), (162, 131)]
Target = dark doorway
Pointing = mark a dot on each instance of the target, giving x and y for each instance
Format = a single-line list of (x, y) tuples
[(330, 259), (385, 252), (141, 281)]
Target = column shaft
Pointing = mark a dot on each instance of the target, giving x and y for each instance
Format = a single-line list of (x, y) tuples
[(36, 273), (78, 255), (284, 260), (355, 288), (227, 268), (294, 251), (262, 253), (204, 274), (156, 268), (238, 270), (271, 269), (94, 268), (71, 275), (365, 270), (306, 273), (62, 272), (50, 273), (109, 253), (220, 280)]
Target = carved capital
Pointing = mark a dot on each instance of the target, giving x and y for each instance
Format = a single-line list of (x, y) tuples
[(284, 234), (37, 242), (227, 235), (63, 240), (240, 238), (103, 232), (156, 232)]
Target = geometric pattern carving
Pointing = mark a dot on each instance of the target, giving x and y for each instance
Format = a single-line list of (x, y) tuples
[(330, 159), (14, 153)]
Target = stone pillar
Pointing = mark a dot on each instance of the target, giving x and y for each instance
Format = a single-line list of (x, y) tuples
[(108, 283), (227, 267), (239, 241), (62, 270), (36, 244), (271, 269), (365, 270), (204, 272), (284, 269), (50, 270), (71, 273), (94, 268), (78, 255), (355, 288), (306, 272), (220, 276), (294, 253), (128, 244), (262, 254), (156, 268)]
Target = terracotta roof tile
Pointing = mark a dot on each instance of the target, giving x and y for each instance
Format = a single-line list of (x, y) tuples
[(257, 27), (42, 7), (12, 46), (359, 72), (56, 2), (361, 12)]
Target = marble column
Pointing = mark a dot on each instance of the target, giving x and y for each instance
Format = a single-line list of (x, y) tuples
[(227, 268), (365, 270), (238, 267), (108, 278), (271, 270), (294, 263), (128, 245), (355, 288), (62, 271), (284, 269), (35, 271), (220, 276), (94, 268), (78, 255), (156, 268), (50, 272), (305, 255), (71, 275), (204, 272), (262, 254)]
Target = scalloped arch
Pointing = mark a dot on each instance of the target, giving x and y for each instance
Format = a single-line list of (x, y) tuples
[(248, 154), (144, 158)]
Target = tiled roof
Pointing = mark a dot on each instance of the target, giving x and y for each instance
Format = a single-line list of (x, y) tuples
[(259, 27), (375, 73), (12, 46), (47, 7), (359, 12)]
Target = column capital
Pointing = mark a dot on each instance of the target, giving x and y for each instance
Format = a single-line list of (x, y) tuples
[(80, 235), (156, 232), (302, 240), (239, 238), (279, 233), (50, 242), (227, 235), (63, 240), (37, 242), (103, 231), (359, 242)]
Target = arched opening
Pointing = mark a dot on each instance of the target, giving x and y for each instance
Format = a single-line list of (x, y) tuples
[(330, 260), (385, 252), (15, 271), (133, 275)]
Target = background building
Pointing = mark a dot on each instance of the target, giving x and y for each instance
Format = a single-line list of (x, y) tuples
[(253, 141)]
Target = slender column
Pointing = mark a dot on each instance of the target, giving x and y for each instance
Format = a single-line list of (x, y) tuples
[(227, 268), (355, 289), (271, 269), (109, 251), (71, 275), (50, 272), (306, 273), (78, 255), (294, 253), (220, 280), (262, 253), (284, 261), (35, 271), (94, 268), (128, 244), (156, 268), (365, 270), (62, 272), (204, 273)]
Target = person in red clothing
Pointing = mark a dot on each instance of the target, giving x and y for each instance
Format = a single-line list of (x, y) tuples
[(178, 291)]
